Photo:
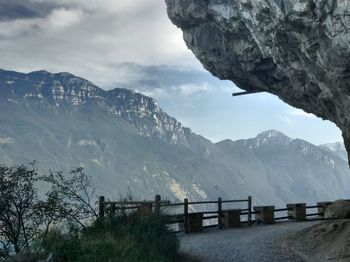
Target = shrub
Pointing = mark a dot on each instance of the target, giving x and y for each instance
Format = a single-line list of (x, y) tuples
[(124, 238)]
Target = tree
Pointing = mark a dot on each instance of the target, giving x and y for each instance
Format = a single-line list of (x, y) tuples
[(76, 195), (19, 208), (26, 215)]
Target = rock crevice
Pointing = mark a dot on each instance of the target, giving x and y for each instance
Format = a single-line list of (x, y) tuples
[(298, 50)]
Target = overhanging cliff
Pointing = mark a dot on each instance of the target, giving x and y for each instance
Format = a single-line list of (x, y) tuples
[(298, 50)]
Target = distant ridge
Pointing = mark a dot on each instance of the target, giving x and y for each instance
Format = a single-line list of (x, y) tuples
[(126, 142)]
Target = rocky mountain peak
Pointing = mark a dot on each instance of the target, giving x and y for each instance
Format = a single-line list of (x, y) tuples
[(271, 134), (269, 138), (337, 148), (65, 91), (145, 114), (56, 89), (272, 137)]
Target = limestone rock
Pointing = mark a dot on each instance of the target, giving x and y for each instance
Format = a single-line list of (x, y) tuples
[(325, 241), (298, 50), (340, 209)]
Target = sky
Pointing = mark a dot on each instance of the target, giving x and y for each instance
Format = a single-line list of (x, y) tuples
[(133, 44)]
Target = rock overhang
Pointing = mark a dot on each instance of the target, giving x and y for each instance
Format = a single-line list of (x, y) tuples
[(298, 50)]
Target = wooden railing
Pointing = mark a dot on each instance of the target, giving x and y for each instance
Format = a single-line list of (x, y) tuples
[(185, 216), (110, 207), (192, 221)]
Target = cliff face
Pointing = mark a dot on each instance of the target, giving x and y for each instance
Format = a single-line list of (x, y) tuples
[(298, 50), (64, 91)]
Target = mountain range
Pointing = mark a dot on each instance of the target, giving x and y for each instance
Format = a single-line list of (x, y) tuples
[(129, 145)]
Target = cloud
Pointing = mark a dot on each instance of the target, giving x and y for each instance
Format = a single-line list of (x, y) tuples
[(164, 81), (301, 113), (157, 93), (285, 119), (23, 28), (19, 9), (62, 17), (194, 88), (88, 38)]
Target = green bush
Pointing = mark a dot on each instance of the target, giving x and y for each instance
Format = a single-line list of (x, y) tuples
[(123, 238)]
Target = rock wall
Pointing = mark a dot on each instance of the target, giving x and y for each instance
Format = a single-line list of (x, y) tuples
[(298, 50)]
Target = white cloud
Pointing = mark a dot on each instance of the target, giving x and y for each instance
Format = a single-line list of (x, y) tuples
[(155, 93), (87, 38), (9, 29), (62, 17), (301, 113), (194, 88), (33, 30), (285, 119), (6, 140)]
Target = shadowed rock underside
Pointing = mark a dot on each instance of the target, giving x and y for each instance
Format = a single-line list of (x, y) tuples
[(298, 50)]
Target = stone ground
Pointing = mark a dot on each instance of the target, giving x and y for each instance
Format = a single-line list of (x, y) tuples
[(326, 241), (260, 243)]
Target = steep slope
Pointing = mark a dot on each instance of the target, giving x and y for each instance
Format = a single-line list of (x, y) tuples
[(337, 148), (298, 50), (123, 139), (64, 92), (64, 121), (293, 168), (127, 143)]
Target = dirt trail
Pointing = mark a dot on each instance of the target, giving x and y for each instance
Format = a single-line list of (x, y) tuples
[(260, 243)]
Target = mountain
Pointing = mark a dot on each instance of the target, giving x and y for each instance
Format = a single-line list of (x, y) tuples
[(128, 144), (123, 139), (337, 148), (290, 168)]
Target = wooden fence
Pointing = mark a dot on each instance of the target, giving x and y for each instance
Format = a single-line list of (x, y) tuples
[(193, 221), (188, 219)]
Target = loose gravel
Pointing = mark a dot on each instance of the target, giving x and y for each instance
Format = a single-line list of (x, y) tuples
[(258, 243)]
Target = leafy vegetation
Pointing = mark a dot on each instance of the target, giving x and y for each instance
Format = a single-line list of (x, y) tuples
[(124, 238), (62, 223)]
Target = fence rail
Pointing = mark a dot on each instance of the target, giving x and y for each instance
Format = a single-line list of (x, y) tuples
[(193, 221)]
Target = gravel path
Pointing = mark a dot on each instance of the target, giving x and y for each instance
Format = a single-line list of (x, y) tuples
[(258, 243)]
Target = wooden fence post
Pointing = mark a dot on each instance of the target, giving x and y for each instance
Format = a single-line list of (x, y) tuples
[(186, 222), (220, 212), (249, 210), (101, 206), (157, 205), (113, 208)]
